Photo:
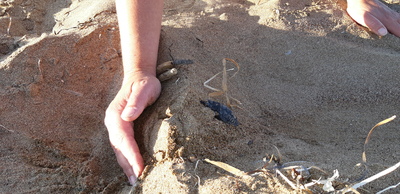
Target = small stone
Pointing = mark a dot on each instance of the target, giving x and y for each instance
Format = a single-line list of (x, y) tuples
[(193, 159), (159, 156)]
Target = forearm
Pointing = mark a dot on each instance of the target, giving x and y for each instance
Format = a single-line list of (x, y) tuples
[(140, 26)]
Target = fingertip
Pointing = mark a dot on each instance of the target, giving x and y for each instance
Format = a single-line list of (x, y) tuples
[(382, 32), (132, 179)]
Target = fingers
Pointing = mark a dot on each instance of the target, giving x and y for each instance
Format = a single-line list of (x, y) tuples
[(378, 17), (395, 27), (129, 103), (368, 20), (128, 157), (144, 93), (375, 25), (122, 140)]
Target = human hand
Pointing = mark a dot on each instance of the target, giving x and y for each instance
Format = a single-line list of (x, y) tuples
[(375, 15), (138, 91)]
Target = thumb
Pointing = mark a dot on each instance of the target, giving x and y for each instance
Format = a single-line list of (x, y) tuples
[(143, 93)]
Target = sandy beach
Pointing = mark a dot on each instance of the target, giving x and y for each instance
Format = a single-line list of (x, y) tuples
[(311, 85)]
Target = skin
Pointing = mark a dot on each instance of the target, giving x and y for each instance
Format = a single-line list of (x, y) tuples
[(375, 15), (140, 26)]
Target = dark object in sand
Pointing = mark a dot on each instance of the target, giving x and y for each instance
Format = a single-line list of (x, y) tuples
[(182, 62), (224, 113)]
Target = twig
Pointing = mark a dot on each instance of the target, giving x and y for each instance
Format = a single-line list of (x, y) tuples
[(9, 130), (287, 180), (70, 91), (228, 168), (195, 173), (224, 89), (40, 68), (391, 187), (379, 175), (197, 163), (9, 24), (364, 156), (198, 180)]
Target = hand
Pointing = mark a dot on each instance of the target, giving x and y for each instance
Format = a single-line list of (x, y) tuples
[(375, 15), (138, 91)]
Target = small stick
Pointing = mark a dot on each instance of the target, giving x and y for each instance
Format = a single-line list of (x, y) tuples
[(236, 64), (225, 82), (287, 180), (9, 24), (224, 89), (379, 175), (74, 92), (310, 184), (40, 68), (198, 179), (195, 173), (9, 130), (197, 163), (364, 156), (228, 168), (391, 187)]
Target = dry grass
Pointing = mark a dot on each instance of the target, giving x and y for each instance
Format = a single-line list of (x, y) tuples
[(297, 173)]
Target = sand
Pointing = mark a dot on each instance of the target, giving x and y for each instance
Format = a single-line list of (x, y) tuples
[(312, 83)]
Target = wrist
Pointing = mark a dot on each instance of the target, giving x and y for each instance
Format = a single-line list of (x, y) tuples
[(138, 73), (141, 70)]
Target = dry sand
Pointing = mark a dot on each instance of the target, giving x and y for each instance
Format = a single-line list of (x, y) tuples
[(312, 83)]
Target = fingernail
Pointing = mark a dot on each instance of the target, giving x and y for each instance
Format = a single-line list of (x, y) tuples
[(132, 180), (382, 32), (128, 112)]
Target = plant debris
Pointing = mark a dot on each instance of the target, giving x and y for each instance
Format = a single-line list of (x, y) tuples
[(224, 85), (228, 168)]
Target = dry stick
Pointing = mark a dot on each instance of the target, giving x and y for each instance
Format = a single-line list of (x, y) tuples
[(226, 80), (287, 180), (9, 130), (40, 69), (236, 64), (391, 187), (228, 168), (224, 84), (364, 157), (9, 24), (205, 84), (279, 153), (195, 173), (372, 178)]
